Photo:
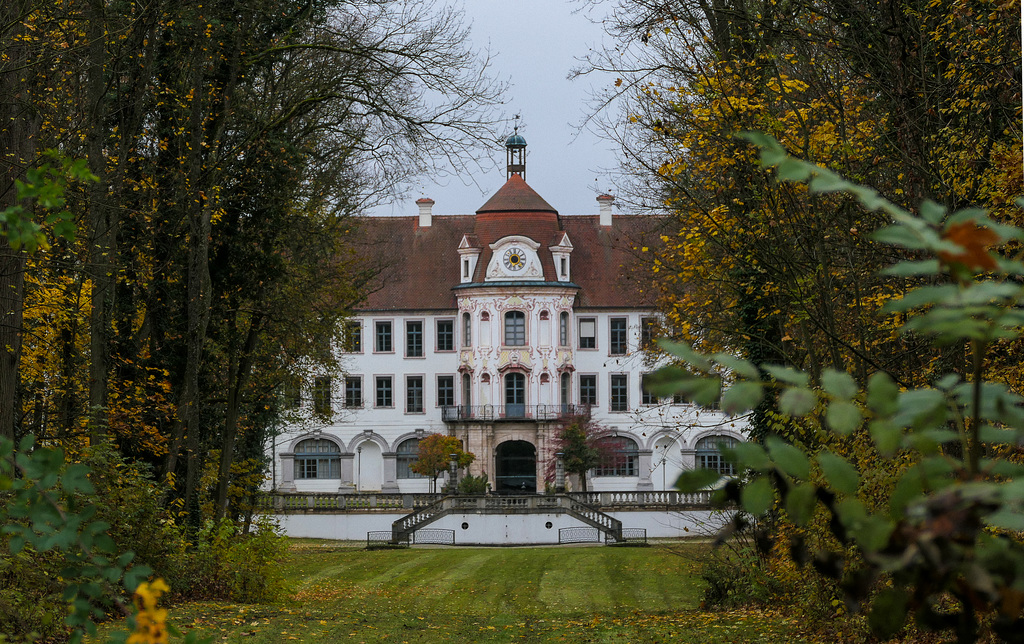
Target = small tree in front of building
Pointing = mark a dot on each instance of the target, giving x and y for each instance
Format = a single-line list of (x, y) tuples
[(435, 453), (578, 440)]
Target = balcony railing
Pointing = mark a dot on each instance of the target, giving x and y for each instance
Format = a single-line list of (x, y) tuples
[(460, 413)]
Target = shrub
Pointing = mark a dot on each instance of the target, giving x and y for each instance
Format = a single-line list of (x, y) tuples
[(473, 485)]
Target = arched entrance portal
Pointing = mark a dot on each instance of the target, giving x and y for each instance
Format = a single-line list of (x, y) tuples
[(515, 465)]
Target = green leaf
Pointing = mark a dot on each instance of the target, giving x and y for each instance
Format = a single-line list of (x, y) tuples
[(757, 496), (932, 212), (912, 268), (923, 296), (888, 612), (839, 384), (748, 455), (789, 458), (788, 375), (872, 533), (668, 381), (697, 480), (843, 417), (685, 352), (738, 365), (829, 182), (800, 502), (797, 401), (842, 476), (790, 169), (886, 435), (741, 397), (909, 487)]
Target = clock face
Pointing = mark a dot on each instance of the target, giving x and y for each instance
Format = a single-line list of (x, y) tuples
[(515, 259)]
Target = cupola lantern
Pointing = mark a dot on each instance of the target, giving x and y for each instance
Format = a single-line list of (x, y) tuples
[(515, 154)]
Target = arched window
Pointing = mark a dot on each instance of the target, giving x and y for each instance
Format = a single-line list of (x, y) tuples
[(515, 329), (407, 452), (317, 458), (709, 456), (620, 456)]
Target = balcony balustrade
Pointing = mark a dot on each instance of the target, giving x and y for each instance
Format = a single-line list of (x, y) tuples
[(470, 413)]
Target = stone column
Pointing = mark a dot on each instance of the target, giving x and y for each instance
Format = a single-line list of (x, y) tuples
[(390, 484), (287, 472), (346, 486), (644, 467)]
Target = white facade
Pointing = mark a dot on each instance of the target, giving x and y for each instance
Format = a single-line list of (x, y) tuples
[(529, 324)]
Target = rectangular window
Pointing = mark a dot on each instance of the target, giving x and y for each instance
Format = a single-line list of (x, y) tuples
[(617, 336), (354, 391), (414, 394), (563, 329), (515, 329), (467, 330), (620, 392), (384, 398), (646, 397), (414, 339), (647, 328), (322, 396), (588, 390), (446, 391), (292, 394), (445, 335), (382, 337), (354, 336), (588, 333), (678, 399)]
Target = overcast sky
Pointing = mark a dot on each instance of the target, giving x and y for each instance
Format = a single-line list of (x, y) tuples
[(534, 44)]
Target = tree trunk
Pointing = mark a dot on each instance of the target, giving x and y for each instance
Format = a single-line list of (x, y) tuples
[(19, 128)]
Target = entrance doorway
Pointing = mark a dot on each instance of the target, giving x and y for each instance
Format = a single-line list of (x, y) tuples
[(515, 465)]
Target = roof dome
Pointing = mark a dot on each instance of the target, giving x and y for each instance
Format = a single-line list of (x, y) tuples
[(515, 141)]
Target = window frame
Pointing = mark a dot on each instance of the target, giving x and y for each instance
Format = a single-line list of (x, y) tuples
[(404, 458), (648, 325), (702, 454), (353, 340), (620, 461), (467, 330), (618, 336), (379, 335), (389, 391), (564, 339), (414, 341), (449, 388), (646, 397), (322, 394), (450, 334), (302, 467), (350, 391), (618, 394), (517, 331), (586, 342), (414, 394), (591, 389)]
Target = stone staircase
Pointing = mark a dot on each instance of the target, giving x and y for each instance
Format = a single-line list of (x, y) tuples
[(507, 505)]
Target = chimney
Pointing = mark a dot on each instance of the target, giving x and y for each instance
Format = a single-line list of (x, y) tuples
[(425, 204), (605, 202)]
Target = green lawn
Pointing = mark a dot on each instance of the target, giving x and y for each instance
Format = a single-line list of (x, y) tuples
[(583, 594)]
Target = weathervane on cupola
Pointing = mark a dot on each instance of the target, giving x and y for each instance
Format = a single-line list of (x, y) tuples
[(515, 153)]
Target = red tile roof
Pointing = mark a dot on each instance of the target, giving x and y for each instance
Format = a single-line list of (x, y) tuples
[(421, 265), (515, 196)]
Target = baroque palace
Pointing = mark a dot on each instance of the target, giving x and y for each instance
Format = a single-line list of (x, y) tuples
[(493, 328)]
